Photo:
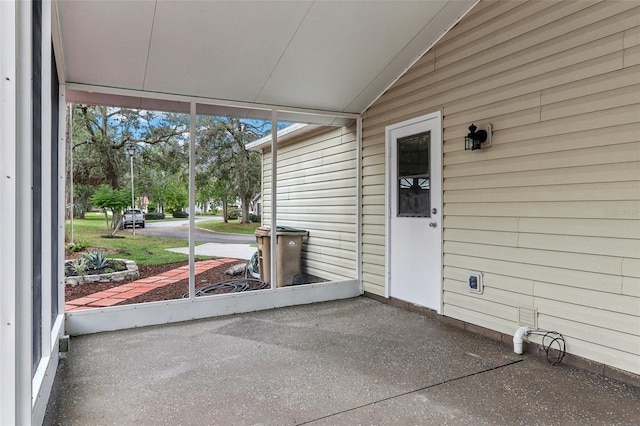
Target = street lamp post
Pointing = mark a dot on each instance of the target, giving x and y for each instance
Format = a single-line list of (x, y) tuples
[(131, 148)]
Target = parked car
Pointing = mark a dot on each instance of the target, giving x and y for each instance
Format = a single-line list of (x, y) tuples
[(128, 219)]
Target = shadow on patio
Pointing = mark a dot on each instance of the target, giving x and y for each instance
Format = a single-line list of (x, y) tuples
[(354, 361)]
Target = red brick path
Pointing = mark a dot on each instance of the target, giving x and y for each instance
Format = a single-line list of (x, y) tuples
[(123, 292)]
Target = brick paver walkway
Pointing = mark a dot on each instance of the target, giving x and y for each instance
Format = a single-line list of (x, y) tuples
[(123, 292)]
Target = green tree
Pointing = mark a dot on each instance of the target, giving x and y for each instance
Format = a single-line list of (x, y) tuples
[(222, 156), (176, 197), (114, 201), (101, 134)]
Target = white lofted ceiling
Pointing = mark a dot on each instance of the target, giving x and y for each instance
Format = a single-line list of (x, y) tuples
[(335, 56)]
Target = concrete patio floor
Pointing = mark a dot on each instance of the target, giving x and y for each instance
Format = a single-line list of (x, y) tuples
[(346, 362)]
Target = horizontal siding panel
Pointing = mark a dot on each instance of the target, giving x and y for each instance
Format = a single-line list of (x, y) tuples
[(341, 231), (335, 237), (631, 268), (598, 353), (599, 84), (571, 209), (589, 245), (493, 76), (372, 209), (509, 239), (338, 192), (514, 21), (371, 287), (626, 96), (565, 142), (477, 304), (530, 52), (335, 204), (490, 294), (332, 210), (631, 57), (631, 286), (374, 239), (567, 279), (341, 222), (318, 251), (628, 152), (328, 176), (305, 187), (504, 224), (583, 174), (596, 120), (575, 192), (595, 317), (604, 337), (632, 37), (481, 13), (599, 66), (373, 190), (507, 284), (373, 179), (312, 171), (552, 25), (590, 298), (482, 319), (526, 102), (550, 258), (343, 267), (583, 227), (375, 266), (344, 152)]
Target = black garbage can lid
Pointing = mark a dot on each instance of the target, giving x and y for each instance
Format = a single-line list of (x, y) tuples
[(289, 229)]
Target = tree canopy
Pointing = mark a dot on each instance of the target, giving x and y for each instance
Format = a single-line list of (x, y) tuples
[(225, 170)]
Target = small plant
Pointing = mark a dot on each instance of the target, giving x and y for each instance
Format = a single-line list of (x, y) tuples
[(180, 214), (108, 271), (96, 259), (255, 218), (77, 246), (79, 265)]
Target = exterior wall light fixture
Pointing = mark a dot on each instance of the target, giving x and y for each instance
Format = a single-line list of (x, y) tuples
[(478, 137)]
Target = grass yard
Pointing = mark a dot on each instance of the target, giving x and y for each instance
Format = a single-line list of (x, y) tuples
[(233, 227), (144, 250)]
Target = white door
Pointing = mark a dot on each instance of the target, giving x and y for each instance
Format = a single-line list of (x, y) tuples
[(414, 211)]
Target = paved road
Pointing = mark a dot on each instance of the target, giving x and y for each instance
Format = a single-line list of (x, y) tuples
[(179, 229)]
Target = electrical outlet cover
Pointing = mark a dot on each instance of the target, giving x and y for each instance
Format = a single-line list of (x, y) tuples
[(474, 282)]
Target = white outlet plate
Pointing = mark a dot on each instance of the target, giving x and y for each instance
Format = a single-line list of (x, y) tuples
[(474, 282)]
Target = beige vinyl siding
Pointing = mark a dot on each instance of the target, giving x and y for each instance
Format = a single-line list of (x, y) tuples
[(551, 212), (317, 182)]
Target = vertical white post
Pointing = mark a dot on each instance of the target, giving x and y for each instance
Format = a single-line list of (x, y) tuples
[(8, 192), (71, 201), (133, 205), (359, 201), (192, 201), (46, 201), (274, 193), (23, 253), (62, 137)]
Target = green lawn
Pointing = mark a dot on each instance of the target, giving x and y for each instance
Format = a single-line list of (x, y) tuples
[(144, 250), (232, 227)]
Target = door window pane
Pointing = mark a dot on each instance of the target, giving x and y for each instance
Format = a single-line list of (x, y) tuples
[(413, 175)]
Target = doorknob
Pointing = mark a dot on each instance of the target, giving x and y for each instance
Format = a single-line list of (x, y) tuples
[(433, 224)]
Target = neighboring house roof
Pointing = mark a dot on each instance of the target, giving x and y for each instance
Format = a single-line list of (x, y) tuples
[(301, 56), (284, 135)]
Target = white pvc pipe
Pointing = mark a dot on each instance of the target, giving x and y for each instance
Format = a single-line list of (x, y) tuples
[(518, 339)]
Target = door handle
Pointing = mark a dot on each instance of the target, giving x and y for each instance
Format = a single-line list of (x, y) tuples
[(433, 224)]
